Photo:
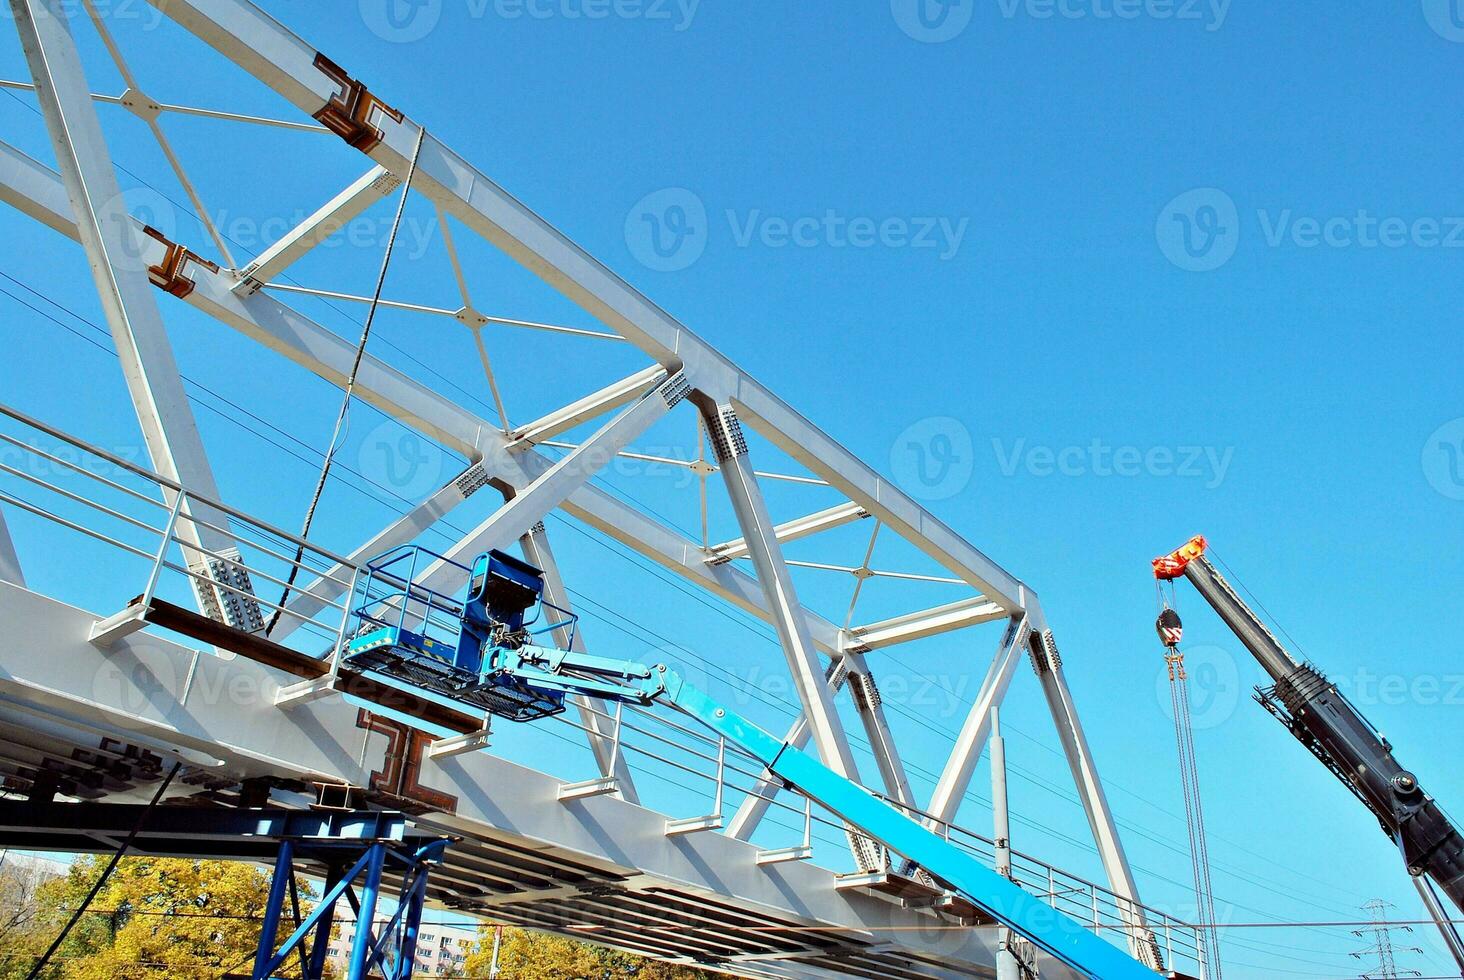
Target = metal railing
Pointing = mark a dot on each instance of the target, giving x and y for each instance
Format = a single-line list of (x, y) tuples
[(158, 529), (198, 552)]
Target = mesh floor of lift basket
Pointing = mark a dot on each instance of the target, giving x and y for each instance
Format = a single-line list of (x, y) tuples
[(500, 695)]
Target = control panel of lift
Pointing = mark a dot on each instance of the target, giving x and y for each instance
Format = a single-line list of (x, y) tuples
[(446, 642)]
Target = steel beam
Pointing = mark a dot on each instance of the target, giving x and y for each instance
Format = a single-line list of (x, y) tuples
[(1048, 663), (777, 586), (802, 527), (330, 585), (339, 211), (36, 191), (594, 713), (926, 622), (286, 63), (531, 503), (592, 406), (870, 706), (10, 570), (955, 778), (115, 251)]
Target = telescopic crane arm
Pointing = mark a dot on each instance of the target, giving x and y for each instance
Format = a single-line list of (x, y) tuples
[(1322, 719)]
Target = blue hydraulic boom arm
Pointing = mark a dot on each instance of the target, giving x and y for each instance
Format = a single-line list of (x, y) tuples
[(488, 658), (1056, 934)]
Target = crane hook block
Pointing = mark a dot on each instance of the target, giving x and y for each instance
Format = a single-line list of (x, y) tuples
[(1171, 630), (1172, 564)]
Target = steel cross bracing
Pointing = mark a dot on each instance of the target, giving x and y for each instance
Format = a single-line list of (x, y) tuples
[(83, 203)]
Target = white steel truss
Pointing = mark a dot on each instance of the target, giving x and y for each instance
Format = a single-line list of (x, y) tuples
[(84, 203)]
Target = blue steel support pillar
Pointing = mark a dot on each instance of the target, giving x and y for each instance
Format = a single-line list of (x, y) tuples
[(320, 945), (366, 914), (274, 908), (414, 896)]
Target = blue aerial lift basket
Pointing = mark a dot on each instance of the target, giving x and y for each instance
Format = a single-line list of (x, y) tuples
[(433, 640)]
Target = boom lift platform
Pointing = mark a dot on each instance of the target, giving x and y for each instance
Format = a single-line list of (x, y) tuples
[(478, 649)]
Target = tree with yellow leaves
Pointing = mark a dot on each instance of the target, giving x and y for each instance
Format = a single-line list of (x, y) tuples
[(160, 917), (523, 955)]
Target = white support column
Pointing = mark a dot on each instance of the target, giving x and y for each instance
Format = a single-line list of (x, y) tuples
[(592, 406), (870, 706), (325, 589), (594, 713), (1048, 664), (955, 778), (366, 190), (531, 503), (114, 249), (777, 587), (9, 561), (802, 527)]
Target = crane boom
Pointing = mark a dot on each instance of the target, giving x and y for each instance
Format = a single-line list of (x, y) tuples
[(1331, 727)]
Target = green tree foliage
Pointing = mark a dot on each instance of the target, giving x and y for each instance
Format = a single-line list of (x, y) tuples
[(155, 917), (523, 955)]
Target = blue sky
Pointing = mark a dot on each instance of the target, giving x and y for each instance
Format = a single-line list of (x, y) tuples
[(1122, 272)]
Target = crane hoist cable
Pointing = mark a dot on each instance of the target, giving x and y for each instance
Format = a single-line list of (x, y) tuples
[(1171, 632), (342, 417)]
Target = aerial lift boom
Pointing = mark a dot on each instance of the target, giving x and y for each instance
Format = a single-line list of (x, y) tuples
[(492, 663), (1327, 723)]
